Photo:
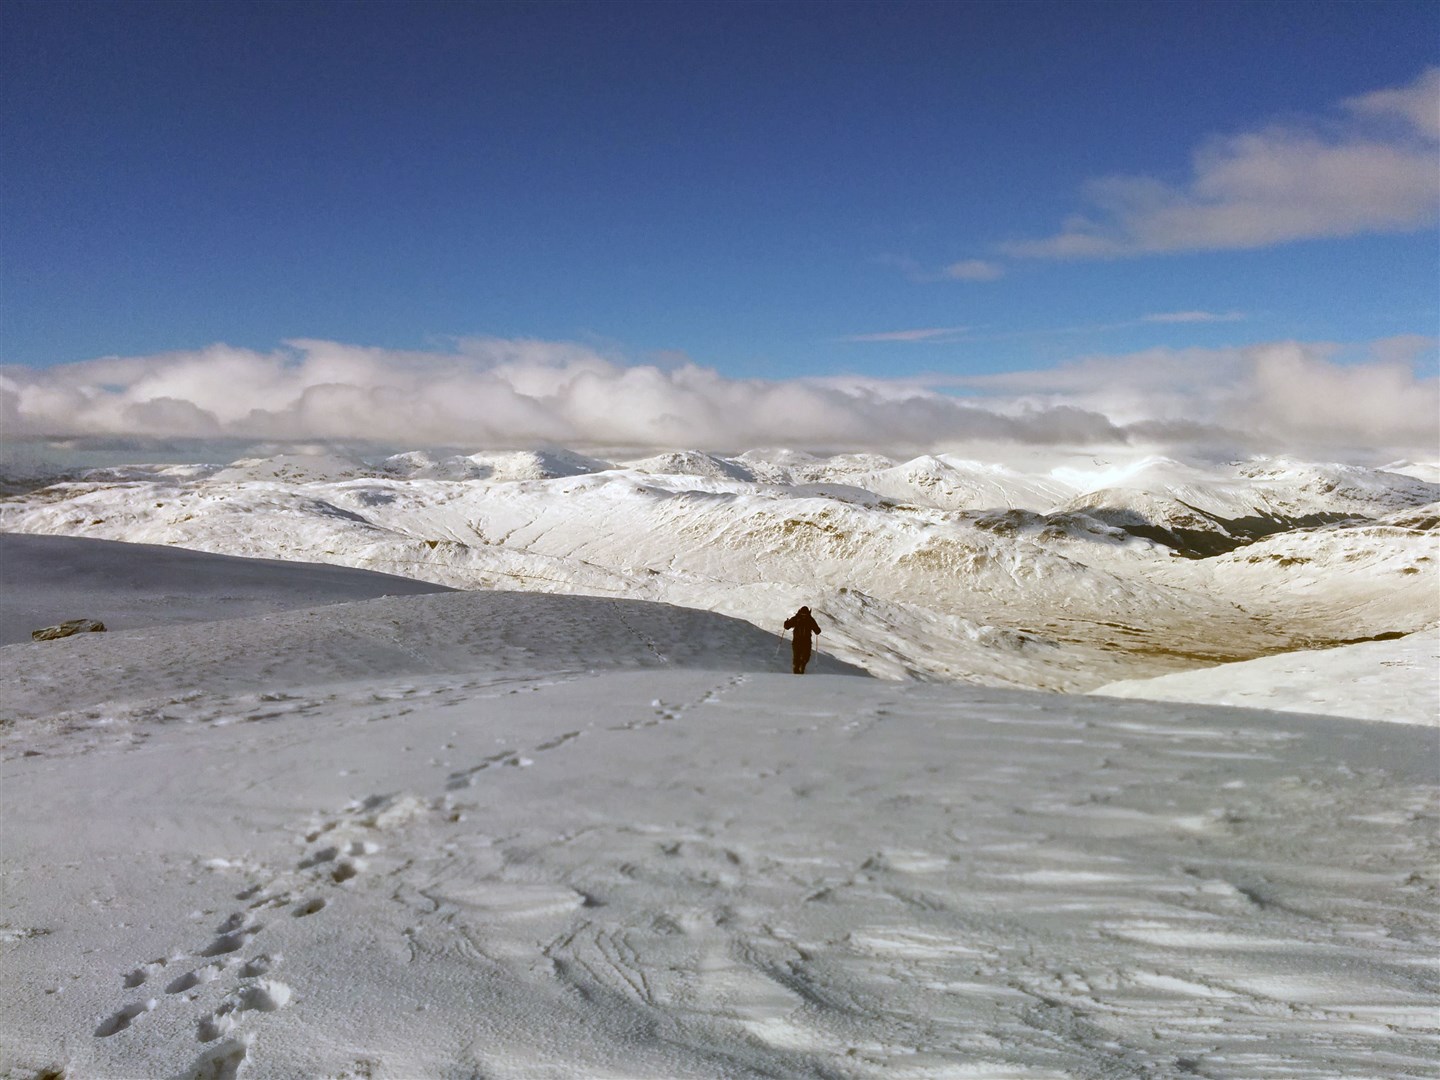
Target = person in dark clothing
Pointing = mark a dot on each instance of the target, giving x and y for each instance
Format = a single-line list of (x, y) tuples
[(804, 624)]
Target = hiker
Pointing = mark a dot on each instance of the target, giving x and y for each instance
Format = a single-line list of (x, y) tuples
[(804, 624)]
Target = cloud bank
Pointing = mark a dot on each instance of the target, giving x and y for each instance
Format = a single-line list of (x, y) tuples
[(494, 393), (490, 393), (1275, 396), (1373, 172)]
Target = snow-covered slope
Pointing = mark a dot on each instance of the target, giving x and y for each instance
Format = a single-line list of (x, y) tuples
[(1051, 598), (1429, 471), (420, 837), (1395, 679), (1268, 487), (1335, 583), (693, 463), (155, 672), (1206, 512), (45, 580), (1298, 489), (953, 484), (492, 465), (741, 550)]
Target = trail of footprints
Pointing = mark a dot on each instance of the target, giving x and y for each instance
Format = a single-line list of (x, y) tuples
[(664, 712), (337, 852), (254, 990), (83, 730)]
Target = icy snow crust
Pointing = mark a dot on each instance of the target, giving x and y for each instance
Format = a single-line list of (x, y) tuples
[(520, 835)]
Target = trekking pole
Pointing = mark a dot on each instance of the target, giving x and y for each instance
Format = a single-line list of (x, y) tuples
[(779, 643)]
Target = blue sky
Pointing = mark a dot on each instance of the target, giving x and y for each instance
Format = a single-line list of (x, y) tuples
[(772, 190)]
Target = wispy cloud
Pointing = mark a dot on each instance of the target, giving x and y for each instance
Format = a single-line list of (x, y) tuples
[(965, 270), (1373, 171), (1164, 318), (511, 393), (937, 333), (1193, 317), (974, 270)]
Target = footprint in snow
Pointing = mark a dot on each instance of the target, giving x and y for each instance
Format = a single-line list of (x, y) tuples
[(466, 777), (223, 1062), (324, 855), (346, 869), (309, 907), (143, 972), (234, 933), (208, 973), (124, 1018), (259, 965), (559, 740), (264, 995), (339, 862)]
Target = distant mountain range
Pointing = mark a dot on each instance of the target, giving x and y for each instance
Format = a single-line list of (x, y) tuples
[(938, 567)]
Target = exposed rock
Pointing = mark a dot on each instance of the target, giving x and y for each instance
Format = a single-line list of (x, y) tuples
[(65, 629)]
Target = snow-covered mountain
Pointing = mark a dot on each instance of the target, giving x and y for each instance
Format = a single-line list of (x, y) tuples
[(693, 463), (1065, 579), (1205, 512)]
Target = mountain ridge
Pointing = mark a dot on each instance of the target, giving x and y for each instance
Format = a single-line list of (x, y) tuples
[(1066, 598)]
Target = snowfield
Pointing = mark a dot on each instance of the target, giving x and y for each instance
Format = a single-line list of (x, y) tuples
[(1378, 680), (1065, 578), (143, 585), (288, 819)]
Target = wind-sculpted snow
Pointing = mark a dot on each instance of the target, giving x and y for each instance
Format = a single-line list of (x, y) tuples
[(439, 633), (417, 837), (46, 578)]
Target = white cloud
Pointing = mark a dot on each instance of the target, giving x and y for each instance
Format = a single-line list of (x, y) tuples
[(513, 393), (1274, 396), (931, 334), (965, 270), (1192, 317), (1374, 173), (974, 270), (486, 393), (1417, 105)]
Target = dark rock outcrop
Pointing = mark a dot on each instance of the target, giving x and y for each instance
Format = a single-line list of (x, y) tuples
[(67, 628)]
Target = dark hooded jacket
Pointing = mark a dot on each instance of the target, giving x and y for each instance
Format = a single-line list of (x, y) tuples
[(804, 624)]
